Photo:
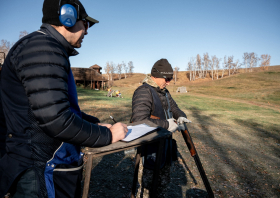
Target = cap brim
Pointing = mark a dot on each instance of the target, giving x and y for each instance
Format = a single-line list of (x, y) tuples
[(91, 21)]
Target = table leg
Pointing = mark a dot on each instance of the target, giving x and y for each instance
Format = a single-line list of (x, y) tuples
[(136, 170), (87, 176), (157, 168)]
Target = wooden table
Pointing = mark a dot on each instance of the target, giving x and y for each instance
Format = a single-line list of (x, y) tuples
[(157, 136)]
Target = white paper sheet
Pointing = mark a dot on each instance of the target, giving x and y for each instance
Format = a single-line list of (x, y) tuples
[(137, 131)]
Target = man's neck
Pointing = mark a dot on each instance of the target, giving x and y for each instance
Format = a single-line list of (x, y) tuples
[(62, 30)]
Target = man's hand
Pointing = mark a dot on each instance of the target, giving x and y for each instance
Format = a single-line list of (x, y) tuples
[(172, 125), (181, 121), (118, 131), (105, 124)]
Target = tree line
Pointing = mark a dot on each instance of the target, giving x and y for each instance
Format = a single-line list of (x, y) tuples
[(5, 46), (110, 69), (120, 69), (199, 67)]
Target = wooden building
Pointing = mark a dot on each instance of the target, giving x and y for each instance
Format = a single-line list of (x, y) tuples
[(90, 77)]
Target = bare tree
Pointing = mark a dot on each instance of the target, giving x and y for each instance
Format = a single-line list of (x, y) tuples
[(198, 66), (253, 60), (194, 68), (265, 61), (246, 57), (212, 64), (190, 69), (22, 34), (119, 69), (125, 69), (107, 70), (112, 70), (229, 64), (224, 66), (130, 67), (5, 47), (206, 63), (236, 66), (176, 70), (217, 67)]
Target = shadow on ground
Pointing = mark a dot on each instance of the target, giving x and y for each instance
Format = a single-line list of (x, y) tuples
[(235, 161)]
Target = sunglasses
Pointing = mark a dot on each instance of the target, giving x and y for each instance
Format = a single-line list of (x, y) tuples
[(168, 79), (86, 24)]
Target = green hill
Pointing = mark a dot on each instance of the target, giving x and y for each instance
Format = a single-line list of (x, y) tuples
[(257, 86)]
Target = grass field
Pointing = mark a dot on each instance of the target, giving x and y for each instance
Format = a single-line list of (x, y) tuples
[(235, 127)]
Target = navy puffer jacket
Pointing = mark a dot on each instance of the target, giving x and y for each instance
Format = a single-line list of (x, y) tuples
[(35, 99)]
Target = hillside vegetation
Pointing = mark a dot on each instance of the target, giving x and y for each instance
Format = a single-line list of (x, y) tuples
[(258, 86)]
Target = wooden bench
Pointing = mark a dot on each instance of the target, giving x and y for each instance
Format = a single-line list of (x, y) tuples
[(158, 136)]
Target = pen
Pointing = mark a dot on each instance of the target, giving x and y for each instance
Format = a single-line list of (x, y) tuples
[(113, 119)]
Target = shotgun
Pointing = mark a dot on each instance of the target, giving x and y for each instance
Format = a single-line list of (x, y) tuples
[(189, 142), (187, 137)]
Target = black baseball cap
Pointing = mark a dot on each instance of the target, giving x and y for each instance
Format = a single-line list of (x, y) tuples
[(51, 10)]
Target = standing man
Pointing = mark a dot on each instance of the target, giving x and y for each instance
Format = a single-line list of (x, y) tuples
[(45, 127), (152, 101)]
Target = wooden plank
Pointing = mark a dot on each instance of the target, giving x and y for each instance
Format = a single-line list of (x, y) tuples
[(151, 137)]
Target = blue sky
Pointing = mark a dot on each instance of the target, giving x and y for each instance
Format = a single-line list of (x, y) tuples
[(143, 31)]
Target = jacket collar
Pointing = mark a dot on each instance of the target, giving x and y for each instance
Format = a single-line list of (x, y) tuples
[(148, 80), (48, 29)]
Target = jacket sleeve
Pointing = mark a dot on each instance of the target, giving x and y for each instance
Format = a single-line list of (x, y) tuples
[(175, 109), (90, 118), (43, 68), (142, 105)]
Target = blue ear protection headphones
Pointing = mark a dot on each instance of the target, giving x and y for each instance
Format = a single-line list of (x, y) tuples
[(68, 14)]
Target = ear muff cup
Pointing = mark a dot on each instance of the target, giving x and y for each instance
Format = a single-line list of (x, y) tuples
[(68, 15)]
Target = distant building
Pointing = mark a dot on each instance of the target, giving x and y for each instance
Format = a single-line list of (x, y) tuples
[(96, 68), (90, 77)]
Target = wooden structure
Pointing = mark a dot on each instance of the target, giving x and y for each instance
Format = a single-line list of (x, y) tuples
[(110, 93), (158, 136), (90, 77), (96, 68)]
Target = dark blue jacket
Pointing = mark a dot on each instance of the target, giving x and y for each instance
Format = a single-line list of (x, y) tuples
[(40, 106)]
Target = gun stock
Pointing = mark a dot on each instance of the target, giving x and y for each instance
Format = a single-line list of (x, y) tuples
[(189, 142)]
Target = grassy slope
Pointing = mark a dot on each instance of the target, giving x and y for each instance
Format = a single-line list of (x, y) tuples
[(260, 86)]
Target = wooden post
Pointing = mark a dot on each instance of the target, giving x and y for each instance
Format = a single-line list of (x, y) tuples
[(87, 176)]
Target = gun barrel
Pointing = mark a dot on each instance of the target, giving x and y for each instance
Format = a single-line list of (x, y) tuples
[(189, 142)]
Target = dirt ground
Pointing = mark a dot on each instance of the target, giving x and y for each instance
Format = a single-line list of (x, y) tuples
[(239, 162)]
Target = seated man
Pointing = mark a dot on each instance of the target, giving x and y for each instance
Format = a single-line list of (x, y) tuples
[(152, 101)]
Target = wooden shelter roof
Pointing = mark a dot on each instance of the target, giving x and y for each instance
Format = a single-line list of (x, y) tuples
[(95, 67), (87, 74)]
